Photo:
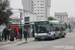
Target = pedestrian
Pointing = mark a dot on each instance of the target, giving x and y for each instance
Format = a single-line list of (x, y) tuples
[(7, 34), (12, 35), (20, 32), (4, 34), (25, 34), (33, 33), (19, 36), (15, 33)]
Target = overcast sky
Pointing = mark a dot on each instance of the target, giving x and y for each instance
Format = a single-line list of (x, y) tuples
[(56, 6)]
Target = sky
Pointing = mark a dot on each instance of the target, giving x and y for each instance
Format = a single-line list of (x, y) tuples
[(56, 6)]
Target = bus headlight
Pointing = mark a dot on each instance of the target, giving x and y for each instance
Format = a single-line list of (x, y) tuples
[(35, 35)]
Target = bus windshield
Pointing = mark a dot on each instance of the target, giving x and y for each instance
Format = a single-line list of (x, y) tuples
[(42, 28)]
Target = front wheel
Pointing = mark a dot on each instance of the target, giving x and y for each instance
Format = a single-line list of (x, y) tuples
[(59, 36), (35, 39), (39, 39), (64, 35), (53, 37)]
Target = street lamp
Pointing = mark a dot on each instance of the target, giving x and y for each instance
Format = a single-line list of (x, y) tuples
[(60, 26), (10, 22), (20, 16)]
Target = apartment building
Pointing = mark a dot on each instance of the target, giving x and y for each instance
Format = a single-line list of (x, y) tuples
[(40, 7), (62, 16)]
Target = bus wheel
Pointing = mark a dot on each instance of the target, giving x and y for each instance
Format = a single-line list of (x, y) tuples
[(59, 36), (64, 35), (53, 37), (35, 39), (39, 39)]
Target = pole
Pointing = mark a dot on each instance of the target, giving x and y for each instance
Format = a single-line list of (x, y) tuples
[(20, 18), (60, 29)]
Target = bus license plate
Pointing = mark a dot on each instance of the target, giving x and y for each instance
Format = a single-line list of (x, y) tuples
[(42, 37)]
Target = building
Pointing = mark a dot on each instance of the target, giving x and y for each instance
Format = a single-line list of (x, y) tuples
[(71, 19), (72, 22), (63, 16), (24, 15), (23, 19), (40, 7)]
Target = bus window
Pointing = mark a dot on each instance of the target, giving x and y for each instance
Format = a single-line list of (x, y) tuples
[(42, 28), (57, 28), (53, 27), (63, 27)]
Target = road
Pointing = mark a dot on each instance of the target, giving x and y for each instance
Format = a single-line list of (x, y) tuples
[(67, 43)]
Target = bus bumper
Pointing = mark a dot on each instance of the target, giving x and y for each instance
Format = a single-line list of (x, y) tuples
[(44, 37)]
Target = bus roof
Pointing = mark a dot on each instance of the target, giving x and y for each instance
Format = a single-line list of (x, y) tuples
[(54, 22)]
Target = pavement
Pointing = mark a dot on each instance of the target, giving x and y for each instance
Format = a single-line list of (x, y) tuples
[(67, 43), (16, 42)]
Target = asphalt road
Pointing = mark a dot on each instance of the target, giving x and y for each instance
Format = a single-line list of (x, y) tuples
[(67, 43)]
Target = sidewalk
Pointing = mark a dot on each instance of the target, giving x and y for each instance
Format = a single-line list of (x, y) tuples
[(70, 32), (16, 42)]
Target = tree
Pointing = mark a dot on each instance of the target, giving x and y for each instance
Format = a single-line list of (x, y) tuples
[(5, 13), (51, 18)]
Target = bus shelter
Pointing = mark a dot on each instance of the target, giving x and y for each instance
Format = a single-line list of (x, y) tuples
[(28, 25)]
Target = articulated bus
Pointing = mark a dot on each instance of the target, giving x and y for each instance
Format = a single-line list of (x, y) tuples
[(49, 30)]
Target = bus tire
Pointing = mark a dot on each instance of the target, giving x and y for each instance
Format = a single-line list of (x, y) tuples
[(64, 35), (59, 36), (53, 37), (39, 39)]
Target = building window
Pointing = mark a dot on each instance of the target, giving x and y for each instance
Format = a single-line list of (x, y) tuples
[(42, 13), (38, 10), (37, 7), (42, 1), (32, 2), (58, 16), (26, 19), (35, 4), (42, 7), (38, 13), (42, 4), (32, 5), (37, 16), (42, 10), (41, 16), (63, 18), (37, 1)]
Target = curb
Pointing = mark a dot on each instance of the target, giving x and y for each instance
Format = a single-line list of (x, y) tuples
[(18, 42)]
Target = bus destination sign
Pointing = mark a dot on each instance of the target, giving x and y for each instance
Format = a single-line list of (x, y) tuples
[(43, 22)]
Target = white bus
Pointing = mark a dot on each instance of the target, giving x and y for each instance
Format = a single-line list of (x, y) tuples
[(49, 30)]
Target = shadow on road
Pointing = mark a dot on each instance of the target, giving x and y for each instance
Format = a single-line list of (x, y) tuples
[(49, 39), (23, 43)]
